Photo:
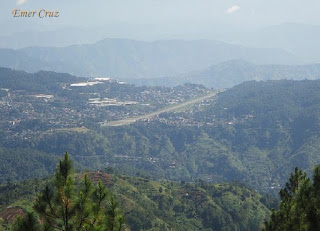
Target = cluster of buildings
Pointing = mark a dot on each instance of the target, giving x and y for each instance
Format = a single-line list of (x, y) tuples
[(24, 114)]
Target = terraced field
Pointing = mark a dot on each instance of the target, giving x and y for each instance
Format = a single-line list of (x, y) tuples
[(10, 214)]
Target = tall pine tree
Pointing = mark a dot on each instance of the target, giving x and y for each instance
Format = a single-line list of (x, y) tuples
[(300, 204), (66, 207)]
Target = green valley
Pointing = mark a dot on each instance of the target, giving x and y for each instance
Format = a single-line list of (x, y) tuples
[(182, 161)]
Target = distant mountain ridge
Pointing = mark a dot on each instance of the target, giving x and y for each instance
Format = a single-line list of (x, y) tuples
[(123, 58), (297, 38), (231, 73), (300, 39)]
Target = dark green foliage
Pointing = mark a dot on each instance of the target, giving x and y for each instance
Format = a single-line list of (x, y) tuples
[(43, 82), (261, 131), (200, 206), (25, 163), (300, 204), (28, 223), (63, 206), (115, 221)]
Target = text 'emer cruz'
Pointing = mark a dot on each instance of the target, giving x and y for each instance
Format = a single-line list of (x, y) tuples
[(42, 13)]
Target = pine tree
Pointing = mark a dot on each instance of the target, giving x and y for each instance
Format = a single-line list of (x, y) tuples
[(65, 207), (28, 223), (1, 225), (115, 220), (300, 204)]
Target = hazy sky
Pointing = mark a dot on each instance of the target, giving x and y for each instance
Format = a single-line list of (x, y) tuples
[(236, 13)]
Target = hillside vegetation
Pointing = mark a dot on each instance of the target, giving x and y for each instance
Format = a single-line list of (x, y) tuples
[(256, 132), (151, 205)]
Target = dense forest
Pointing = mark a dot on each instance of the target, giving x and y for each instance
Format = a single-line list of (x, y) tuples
[(299, 208), (141, 204), (146, 204)]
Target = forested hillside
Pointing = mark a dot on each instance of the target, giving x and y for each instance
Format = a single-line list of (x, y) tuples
[(45, 82), (255, 133), (166, 115), (151, 205)]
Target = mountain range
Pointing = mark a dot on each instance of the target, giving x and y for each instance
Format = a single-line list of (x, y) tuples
[(123, 58), (233, 72)]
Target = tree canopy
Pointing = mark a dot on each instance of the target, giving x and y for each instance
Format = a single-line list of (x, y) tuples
[(300, 204), (65, 206)]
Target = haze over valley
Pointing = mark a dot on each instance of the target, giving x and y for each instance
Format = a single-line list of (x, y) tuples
[(150, 115)]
